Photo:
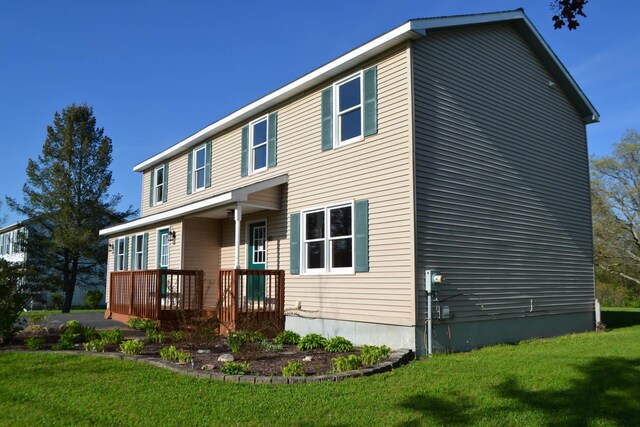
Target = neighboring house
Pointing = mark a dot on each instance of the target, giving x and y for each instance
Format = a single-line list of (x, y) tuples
[(14, 248), (455, 143)]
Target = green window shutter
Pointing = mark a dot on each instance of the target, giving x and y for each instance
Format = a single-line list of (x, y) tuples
[(207, 165), (362, 235), (145, 250), (244, 166), (165, 187), (151, 176), (272, 144), (115, 255), (294, 244), (189, 172), (126, 253), (371, 101), (327, 119)]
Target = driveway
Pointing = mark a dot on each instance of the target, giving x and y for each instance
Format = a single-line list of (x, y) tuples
[(96, 320)]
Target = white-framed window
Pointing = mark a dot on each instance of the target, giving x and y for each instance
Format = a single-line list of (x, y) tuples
[(159, 184), (348, 121), (258, 135), (120, 253), (164, 249), (138, 252), (199, 164), (327, 239)]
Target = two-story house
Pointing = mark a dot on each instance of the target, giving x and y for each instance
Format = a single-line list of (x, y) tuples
[(455, 144)]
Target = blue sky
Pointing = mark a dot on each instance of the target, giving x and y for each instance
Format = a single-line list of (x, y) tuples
[(157, 71)]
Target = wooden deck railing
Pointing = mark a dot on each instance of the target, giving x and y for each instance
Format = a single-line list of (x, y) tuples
[(250, 298), (151, 294)]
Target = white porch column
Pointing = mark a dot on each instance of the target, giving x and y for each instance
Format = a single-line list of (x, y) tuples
[(238, 219)]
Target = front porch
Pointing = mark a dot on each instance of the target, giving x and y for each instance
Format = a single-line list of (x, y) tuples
[(246, 299)]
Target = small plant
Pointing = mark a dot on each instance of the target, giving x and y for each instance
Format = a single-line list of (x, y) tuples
[(38, 320), (312, 341), (95, 346), (236, 368), (57, 300), (372, 355), (67, 341), (270, 346), (293, 369), (236, 340), (113, 336), (184, 357), (350, 363), (142, 324), (131, 347), (169, 353), (338, 345), (155, 336), (255, 336), (72, 327), (93, 299), (34, 343), (177, 336), (287, 337)]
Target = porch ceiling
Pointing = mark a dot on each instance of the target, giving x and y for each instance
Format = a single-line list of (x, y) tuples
[(213, 207)]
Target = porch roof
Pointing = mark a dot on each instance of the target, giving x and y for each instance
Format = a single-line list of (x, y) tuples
[(236, 196)]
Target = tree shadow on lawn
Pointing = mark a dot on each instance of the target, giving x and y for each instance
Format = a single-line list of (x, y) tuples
[(620, 319), (606, 390)]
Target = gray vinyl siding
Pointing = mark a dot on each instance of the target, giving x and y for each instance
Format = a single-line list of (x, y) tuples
[(502, 179)]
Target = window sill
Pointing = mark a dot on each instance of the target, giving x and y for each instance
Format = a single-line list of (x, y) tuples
[(348, 142)]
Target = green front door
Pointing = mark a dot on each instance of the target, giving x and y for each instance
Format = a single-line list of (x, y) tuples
[(163, 258), (257, 259)]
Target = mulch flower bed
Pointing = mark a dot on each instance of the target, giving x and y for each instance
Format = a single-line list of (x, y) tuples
[(205, 353)]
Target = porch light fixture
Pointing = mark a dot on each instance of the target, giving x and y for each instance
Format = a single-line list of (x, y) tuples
[(172, 236), (111, 246)]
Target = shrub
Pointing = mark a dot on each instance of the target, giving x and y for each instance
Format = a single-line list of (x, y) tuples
[(57, 300), (293, 369), (372, 355), (184, 357), (169, 353), (84, 333), (350, 363), (287, 337), (93, 299), (177, 336), (95, 346), (270, 346), (114, 336), (67, 341), (338, 345), (142, 324), (34, 343), (236, 340), (12, 299), (254, 336), (155, 336), (311, 341), (236, 368), (131, 347)]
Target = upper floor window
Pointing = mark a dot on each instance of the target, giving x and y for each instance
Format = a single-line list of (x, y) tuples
[(159, 184), (259, 145), (199, 168), (258, 152), (350, 109)]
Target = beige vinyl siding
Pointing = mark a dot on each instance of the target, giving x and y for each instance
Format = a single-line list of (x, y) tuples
[(202, 252), (377, 169), (502, 179), (269, 197)]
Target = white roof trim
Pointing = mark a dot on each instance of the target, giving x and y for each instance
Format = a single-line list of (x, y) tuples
[(410, 30), (237, 195), (11, 227)]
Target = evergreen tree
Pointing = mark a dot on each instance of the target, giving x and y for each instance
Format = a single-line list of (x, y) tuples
[(66, 201)]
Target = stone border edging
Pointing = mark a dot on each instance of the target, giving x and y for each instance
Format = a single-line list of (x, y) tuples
[(396, 358)]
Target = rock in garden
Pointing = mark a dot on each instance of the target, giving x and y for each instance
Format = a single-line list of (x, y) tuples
[(226, 358), (204, 351), (208, 367), (307, 359)]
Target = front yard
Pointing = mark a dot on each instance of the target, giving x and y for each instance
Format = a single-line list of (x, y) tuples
[(583, 379)]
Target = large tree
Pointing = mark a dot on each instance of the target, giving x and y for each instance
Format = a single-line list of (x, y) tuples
[(567, 12), (66, 201), (616, 210)]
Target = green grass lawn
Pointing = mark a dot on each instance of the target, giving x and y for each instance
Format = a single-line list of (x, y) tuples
[(48, 312), (582, 379)]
